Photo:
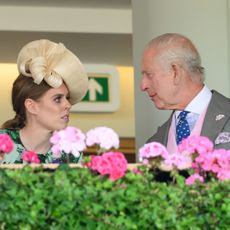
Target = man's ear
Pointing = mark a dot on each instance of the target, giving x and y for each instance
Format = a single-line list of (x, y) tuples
[(176, 73), (30, 106)]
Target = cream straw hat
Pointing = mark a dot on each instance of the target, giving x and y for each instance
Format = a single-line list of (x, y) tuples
[(53, 63)]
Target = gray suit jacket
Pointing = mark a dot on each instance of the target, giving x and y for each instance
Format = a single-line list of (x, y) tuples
[(219, 105)]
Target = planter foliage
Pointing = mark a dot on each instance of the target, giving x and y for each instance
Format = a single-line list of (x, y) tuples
[(77, 198)]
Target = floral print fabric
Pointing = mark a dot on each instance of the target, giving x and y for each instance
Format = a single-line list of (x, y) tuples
[(16, 155)]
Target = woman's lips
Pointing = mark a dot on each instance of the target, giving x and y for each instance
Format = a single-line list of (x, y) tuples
[(66, 117)]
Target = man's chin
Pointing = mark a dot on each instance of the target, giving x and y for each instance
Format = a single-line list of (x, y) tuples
[(159, 106)]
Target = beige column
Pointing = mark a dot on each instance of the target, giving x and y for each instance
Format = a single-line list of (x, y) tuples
[(204, 22)]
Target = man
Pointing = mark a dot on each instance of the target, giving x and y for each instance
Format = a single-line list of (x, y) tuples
[(173, 77)]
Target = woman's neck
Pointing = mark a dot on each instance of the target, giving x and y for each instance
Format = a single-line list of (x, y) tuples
[(36, 140)]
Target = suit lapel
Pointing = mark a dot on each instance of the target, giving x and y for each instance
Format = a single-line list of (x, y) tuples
[(216, 116)]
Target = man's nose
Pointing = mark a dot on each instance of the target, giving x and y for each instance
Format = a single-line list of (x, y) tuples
[(143, 85)]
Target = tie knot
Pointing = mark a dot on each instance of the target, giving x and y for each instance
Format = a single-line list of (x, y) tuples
[(183, 115)]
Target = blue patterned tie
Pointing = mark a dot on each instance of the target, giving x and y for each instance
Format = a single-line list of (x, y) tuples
[(182, 128)]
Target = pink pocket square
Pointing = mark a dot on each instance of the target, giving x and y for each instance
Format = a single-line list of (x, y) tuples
[(223, 138)]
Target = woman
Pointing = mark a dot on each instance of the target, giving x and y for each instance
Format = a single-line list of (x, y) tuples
[(51, 79)]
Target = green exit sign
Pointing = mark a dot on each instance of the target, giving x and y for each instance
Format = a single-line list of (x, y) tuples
[(98, 89), (103, 93)]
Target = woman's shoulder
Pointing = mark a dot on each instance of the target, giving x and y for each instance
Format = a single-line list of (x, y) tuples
[(3, 131), (8, 131)]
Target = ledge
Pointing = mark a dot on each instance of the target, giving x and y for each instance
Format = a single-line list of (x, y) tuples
[(51, 166), (64, 19)]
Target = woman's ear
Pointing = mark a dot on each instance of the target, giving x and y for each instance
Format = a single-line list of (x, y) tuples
[(30, 106), (176, 73)]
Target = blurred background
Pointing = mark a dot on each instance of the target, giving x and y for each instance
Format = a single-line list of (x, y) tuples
[(114, 32)]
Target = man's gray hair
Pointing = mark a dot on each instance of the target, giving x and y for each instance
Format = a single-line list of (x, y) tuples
[(179, 49)]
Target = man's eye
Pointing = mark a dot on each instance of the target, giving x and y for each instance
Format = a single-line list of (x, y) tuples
[(149, 75)]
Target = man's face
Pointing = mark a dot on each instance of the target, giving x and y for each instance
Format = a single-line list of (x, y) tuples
[(157, 80)]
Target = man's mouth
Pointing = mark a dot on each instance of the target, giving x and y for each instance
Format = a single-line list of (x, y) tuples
[(152, 96)]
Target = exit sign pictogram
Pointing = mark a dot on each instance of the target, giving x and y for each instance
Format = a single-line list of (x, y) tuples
[(103, 93), (98, 89)]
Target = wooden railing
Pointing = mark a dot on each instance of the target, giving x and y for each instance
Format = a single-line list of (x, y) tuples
[(52, 166), (127, 147)]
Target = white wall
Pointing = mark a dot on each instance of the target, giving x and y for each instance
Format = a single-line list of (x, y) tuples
[(65, 19), (204, 22)]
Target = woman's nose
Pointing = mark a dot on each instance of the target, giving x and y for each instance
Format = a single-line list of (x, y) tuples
[(67, 104)]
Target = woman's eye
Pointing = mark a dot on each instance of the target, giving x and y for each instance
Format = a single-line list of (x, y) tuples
[(57, 99)]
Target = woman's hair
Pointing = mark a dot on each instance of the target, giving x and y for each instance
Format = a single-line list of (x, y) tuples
[(178, 48), (23, 88)]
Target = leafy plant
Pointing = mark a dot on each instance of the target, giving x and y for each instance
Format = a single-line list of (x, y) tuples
[(105, 194), (76, 198)]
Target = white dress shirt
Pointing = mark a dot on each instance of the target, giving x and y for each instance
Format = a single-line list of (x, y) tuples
[(195, 107)]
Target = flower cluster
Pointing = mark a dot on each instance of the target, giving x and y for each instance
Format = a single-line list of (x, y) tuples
[(69, 140), (152, 150), (196, 153), (104, 137), (113, 164), (206, 160), (30, 157), (6, 145), (72, 140), (157, 156)]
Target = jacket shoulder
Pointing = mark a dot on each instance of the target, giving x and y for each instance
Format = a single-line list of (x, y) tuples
[(161, 134)]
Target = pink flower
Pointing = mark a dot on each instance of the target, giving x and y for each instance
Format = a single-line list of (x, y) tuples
[(68, 140), (113, 164), (30, 157), (195, 152), (216, 162), (105, 137), (137, 171), (152, 150), (180, 161), (195, 177), (6, 144), (196, 144), (223, 174)]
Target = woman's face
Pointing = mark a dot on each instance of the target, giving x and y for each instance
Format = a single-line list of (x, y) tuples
[(52, 109)]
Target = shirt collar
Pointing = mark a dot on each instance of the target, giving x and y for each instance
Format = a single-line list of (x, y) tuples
[(198, 103)]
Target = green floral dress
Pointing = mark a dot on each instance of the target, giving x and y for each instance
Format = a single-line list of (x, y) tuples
[(15, 155)]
